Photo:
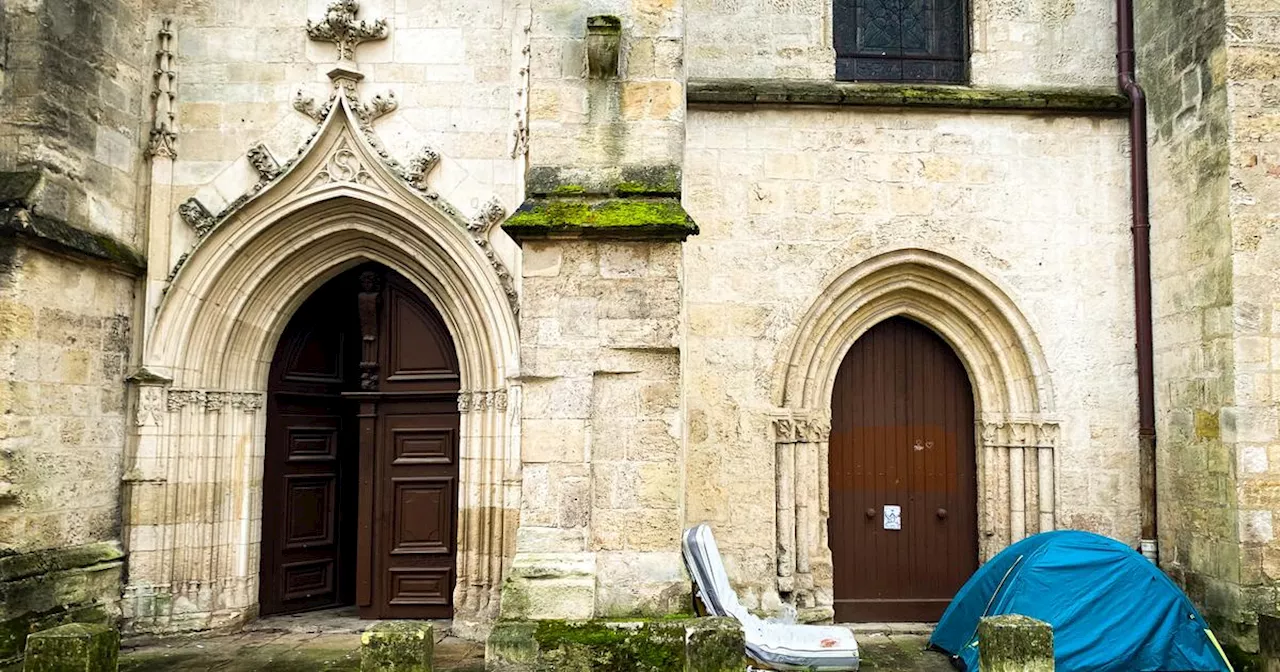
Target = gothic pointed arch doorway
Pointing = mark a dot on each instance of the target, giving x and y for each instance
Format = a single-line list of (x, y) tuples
[(903, 476), (360, 483)]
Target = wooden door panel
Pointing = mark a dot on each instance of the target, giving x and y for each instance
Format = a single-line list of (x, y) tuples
[(415, 353), (902, 435), (422, 514), (429, 589), (312, 443), (416, 535), (303, 581), (308, 475), (309, 502), (430, 445)]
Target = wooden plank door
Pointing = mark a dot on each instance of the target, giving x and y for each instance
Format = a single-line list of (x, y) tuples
[(308, 532), (902, 436)]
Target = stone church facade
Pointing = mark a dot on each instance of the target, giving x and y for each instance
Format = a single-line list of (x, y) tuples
[(587, 273)]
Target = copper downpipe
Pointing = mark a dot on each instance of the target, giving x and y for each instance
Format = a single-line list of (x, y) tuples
[(1141, 228)]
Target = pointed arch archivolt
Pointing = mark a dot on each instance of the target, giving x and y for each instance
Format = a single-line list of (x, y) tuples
[(1013, 396), (195, 474)]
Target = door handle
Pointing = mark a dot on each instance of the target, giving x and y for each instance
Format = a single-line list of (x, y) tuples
[(942, 514), (871, 513)]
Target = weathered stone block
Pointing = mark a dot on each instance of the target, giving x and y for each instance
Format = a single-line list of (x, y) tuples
[(589, 646), (715, 645), (691, 645), (1014, 643), (511, 647), (397, 646), (77, 647), (550, 585)]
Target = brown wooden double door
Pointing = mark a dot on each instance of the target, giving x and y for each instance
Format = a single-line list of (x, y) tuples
[(360, 484), (902, 435)]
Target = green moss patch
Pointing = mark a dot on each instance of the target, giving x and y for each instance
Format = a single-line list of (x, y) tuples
[(713, 92), (605, 181), (623, 218), (24, 565), (655, 646)]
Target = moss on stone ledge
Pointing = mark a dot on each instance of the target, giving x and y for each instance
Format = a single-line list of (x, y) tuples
[(23, 565), (653, 646), (714, 92), (615, 218)]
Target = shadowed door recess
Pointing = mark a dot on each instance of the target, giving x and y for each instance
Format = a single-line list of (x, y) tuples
[(902, 435), (360, 485)]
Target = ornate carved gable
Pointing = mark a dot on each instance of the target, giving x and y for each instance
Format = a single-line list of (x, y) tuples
[(344, 154)]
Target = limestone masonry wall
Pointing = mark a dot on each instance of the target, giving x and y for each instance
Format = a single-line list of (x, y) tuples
[(1014, 44), (73, 79), (1253, 125), (601, 435), (73, 89), (64, 343), (1198, 318), (787, 199)]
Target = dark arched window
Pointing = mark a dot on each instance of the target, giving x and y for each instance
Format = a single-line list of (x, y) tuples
[(900, 40)]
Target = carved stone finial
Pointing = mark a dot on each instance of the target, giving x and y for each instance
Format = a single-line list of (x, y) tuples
[(340, 27), (263, 162), (163, 138), (197, 216)]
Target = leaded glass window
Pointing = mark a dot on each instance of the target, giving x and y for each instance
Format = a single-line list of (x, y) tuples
[(900, 40)]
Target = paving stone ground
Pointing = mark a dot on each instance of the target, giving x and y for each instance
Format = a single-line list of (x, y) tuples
[(281, 652), (329, 641), (312, 652), (883, 652)]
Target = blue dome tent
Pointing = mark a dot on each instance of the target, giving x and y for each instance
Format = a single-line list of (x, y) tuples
[(1111, 609)]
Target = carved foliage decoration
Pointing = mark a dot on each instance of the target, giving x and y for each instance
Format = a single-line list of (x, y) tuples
[(263, 162), (340, 27), (197, 216), (486, 218), (1020, 434), (420, 168), (163, 137), (482, 401), (213, 400), (801, 430)]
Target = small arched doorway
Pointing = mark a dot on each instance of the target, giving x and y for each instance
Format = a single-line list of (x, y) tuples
[(903, 484), (360, 483)]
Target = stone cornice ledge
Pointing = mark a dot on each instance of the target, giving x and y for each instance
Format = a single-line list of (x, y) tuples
[(20, 221), (712, 93)]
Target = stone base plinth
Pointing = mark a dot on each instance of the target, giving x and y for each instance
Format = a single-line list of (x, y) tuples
[(75, 647), (397, 646), (1014, 643)]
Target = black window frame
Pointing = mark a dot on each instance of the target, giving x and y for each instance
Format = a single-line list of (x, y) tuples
[(944, 58)]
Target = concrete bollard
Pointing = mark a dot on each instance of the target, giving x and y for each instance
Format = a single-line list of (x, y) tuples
[(75, 647), (1014, 643), (715, 645), (1269, 642), (397, 646)]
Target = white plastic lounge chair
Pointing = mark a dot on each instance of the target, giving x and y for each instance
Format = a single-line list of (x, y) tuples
[(778, 646)]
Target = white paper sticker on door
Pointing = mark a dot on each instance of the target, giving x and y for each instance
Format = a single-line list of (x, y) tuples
[(892, 517)]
